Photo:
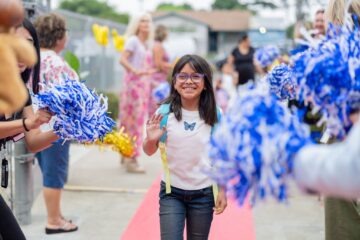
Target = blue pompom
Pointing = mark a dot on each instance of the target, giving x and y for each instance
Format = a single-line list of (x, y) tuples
[(80, 114), (327, 73), (253, 147), (282, 82), (265, 56), (161, 92)]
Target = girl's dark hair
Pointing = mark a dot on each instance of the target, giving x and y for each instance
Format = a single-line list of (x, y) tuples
[(207, 104), (34, 72)]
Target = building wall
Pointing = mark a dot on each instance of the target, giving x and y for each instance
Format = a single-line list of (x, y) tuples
[(184, 34), (271, 37), (227, 41)]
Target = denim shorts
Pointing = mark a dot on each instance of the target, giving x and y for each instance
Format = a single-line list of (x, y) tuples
[(191, 207), (54, 163)]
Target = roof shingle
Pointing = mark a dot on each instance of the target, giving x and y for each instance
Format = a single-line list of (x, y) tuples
[(219, 20)]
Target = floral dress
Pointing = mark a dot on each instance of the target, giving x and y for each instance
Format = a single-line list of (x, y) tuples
[(134, 98)]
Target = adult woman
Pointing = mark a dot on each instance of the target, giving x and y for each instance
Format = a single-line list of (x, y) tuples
[(135, 94), (54, 161), (160, 62), (24, 123), (242, 57), (342, 218)]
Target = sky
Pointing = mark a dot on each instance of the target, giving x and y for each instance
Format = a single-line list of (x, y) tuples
[(133, 6)]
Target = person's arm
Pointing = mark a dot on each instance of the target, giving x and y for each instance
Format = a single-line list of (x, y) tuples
[(331, 169), (153, 134), (258, 68), (221, 201), (11, 128), (124, 61), (32, 121), (35, 139)]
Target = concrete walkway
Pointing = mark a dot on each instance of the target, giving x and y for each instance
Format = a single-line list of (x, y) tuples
[(101, 198)]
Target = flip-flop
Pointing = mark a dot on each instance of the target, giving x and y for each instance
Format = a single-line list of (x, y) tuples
[(62, 229), (67, 220)]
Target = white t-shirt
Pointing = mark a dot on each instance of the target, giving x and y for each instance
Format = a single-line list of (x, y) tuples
[(138, 50), (185, 146)]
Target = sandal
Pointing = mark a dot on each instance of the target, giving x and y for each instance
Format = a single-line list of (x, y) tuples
[(67, 220), (63, 229), (133, 167)]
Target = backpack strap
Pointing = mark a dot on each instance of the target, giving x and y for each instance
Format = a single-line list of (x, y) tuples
[(164, 110), (218, 113), (215, 187)]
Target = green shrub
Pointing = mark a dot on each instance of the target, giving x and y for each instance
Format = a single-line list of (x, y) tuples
[(113, 103)]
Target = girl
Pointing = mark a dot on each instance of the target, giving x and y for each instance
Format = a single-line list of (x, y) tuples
[(186, 193), (135, 93)]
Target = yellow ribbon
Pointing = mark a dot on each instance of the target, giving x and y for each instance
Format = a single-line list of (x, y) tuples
[(166, 167)]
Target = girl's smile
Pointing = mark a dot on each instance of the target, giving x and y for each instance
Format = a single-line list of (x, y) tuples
[(185, 85)]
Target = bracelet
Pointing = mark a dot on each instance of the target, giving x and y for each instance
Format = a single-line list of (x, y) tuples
[(24, 125)]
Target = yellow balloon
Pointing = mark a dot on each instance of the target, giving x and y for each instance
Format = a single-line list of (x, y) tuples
[(105, 36), (101, 34), (95, 29), (118, 40), (114, 33)]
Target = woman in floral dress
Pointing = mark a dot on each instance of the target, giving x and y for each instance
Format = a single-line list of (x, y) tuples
[(134, 99)]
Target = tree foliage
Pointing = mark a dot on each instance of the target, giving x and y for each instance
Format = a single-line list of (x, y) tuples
[(228, 5), (173, 7), (94, 8), (235, 4)]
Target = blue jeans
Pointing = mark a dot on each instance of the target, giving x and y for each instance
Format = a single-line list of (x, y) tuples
[(195, 206)]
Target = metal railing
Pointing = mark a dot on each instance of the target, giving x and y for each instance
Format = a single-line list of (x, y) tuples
[(100, 65)]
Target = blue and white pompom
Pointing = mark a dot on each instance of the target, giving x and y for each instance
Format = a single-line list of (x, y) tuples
[(161, 92), (265, 56), (80, 114), (327, 73), (253, 147), (282, 82)]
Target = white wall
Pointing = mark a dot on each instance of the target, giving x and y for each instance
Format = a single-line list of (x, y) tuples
[(185, 36)]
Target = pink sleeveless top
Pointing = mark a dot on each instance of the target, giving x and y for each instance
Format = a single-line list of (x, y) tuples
[(160, 76)]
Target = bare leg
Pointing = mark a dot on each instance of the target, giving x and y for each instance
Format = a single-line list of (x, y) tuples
[(132, 166), (52, 197)]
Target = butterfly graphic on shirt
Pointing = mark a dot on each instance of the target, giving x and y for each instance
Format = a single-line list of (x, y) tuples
[(189, 126)]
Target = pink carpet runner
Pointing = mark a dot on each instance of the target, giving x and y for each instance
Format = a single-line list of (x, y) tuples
[(234, 223)]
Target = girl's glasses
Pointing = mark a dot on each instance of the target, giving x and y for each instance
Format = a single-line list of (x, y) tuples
[(195, 77)]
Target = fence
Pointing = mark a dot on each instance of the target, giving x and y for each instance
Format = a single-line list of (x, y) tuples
[(99, 65)]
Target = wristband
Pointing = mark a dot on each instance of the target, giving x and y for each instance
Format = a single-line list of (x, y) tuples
[(23, 122)]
